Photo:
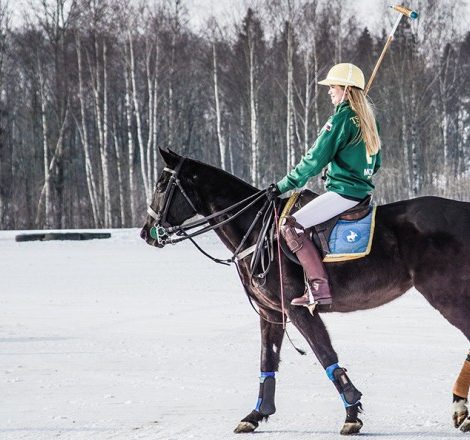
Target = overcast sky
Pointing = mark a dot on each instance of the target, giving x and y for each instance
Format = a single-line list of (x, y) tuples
[(367, 12), (228, 10)]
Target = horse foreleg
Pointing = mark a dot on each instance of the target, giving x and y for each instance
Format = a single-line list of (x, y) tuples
[(316, 334), (460, 416), (271, 340)]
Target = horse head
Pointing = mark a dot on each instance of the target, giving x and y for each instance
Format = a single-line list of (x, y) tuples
[(171, 203)]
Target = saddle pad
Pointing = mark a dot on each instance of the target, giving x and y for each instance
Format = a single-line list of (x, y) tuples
[(351, 239)]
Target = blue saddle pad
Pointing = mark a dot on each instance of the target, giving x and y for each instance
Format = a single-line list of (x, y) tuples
[(351, 239)]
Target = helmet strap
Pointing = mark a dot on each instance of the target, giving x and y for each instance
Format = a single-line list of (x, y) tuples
[(344, 94)]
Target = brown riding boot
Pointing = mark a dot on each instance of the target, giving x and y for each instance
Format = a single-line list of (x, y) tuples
[(318, 290)]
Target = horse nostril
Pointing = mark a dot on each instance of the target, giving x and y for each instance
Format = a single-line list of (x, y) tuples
[(143, 233)]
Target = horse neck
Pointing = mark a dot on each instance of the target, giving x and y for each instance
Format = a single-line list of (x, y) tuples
[(219, 192)]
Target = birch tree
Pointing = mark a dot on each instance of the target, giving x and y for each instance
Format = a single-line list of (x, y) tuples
[(5, 175), (54, 18), (84, 137), (214, 32), (250, 39), (307, 25), (287, 12)]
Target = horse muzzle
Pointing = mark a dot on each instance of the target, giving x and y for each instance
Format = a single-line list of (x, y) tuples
[(154, 235)]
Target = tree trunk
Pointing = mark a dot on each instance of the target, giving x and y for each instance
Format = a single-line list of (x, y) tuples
[(253, 118), (307, 99), (130, 147), (84, 138), (45, 144), (218, 116), (155, 119), (143, 160), (117, 150), (108, 220), (290, 132), (56, 156)]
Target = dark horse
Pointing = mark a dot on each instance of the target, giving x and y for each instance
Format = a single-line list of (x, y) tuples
[(424, 242)]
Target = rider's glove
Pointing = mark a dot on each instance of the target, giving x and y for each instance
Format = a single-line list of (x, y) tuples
[(272, 192)]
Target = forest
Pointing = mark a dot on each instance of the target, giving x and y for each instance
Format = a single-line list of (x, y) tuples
[(91, 89)]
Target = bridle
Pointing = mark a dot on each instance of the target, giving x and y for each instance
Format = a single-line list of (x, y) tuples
[(163, 232)]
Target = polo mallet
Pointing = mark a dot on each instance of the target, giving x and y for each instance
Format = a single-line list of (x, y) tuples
[(402, 10)]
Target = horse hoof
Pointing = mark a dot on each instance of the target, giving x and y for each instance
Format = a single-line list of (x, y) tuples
[(459, 418), (351, 428), (465, 426), (460, 412), (244, 427)]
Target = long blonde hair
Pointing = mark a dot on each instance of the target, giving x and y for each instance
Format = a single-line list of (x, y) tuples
[(367, 125)]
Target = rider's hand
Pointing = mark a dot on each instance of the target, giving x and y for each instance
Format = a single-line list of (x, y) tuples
[(272, 192)]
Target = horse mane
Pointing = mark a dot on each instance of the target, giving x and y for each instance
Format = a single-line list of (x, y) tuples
[(172, 159)]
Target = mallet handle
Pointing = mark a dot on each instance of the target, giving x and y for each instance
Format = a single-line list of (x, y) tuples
[(403, 10), (379, 61)]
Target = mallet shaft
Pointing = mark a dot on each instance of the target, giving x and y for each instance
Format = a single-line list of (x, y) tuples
[(403, 10)]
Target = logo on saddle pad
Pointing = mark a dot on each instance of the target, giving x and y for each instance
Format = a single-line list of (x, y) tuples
[(351, 236)]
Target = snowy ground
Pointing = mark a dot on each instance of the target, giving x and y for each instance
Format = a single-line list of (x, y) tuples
[(112, 339)]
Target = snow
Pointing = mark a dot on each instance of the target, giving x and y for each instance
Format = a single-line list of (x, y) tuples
[(113, 339)]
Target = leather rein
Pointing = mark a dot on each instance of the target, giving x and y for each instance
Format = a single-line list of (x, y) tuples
[(163, 232)]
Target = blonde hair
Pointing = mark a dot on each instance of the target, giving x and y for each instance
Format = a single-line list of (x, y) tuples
[(367, 125)]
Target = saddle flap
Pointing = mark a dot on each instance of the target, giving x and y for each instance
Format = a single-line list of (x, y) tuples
[(320, 234)]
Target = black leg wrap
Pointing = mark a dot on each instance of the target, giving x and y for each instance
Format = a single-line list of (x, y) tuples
[(267, 390), (349, 393), (458, 398)]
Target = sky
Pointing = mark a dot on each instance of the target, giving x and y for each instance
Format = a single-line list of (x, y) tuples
[(227, 11)]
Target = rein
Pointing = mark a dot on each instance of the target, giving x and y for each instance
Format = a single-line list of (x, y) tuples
[(163, 234)]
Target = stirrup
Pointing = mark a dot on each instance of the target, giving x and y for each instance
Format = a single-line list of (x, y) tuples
[(312, 302), (311, 307)]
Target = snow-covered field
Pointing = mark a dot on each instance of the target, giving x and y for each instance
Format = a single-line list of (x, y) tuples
[(112, 339)]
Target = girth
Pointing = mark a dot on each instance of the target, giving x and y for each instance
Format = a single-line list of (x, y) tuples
[(321, 232)]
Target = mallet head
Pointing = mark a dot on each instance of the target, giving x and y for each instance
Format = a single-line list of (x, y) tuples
[(405, 11)]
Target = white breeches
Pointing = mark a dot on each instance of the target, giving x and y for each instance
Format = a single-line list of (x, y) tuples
[(322, 208)]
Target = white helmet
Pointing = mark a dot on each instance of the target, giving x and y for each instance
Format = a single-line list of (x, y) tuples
[(344, 74)]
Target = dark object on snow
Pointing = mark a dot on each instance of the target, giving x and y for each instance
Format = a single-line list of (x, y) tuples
[(62, 236)]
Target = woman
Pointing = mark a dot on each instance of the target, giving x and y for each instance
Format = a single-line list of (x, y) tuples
[(349, 144)]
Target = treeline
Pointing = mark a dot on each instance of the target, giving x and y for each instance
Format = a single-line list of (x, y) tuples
[(90, 89)]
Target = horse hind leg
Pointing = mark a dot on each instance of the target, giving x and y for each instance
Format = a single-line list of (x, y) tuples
[(457, 312), (460, 415)]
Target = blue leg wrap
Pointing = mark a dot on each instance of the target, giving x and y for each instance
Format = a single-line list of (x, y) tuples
[(267, 388), (348, 392)]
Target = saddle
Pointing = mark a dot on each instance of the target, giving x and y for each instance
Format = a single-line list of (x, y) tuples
[(320, 234)]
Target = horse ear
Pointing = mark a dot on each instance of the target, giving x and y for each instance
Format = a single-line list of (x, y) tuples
[(170, 157)]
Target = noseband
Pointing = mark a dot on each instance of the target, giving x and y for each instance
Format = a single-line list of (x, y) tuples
[(161, 229)]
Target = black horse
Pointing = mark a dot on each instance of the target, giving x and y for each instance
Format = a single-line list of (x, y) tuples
[(424, 242)]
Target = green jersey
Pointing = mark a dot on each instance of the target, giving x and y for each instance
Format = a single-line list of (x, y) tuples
[(350, 168)]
